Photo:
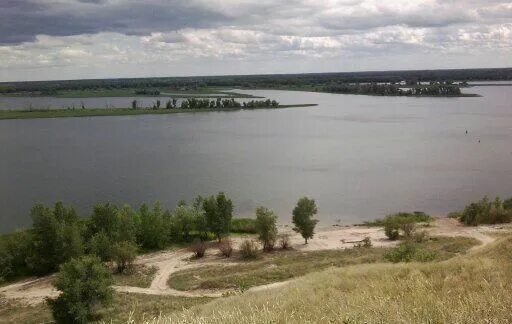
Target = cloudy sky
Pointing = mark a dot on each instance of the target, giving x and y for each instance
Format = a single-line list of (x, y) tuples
[(70, 39)]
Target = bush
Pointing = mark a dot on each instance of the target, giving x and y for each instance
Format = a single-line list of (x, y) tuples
[(391, 231), (226, 247), (407, 252), (486, 212), (84, 284), (243, 225), (420, 236), (365, 243), (266, 227), (249, 249), (402, 218), (198, 247), (124, 253), (408, 229), (284, 241)]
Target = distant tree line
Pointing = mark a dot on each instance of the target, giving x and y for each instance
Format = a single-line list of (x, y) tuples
[(262, 81), (393, 89), (147, 92)]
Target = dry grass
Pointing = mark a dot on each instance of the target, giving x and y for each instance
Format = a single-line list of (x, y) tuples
[(125, 307), (284, 265), (474, 288), (137, 276)]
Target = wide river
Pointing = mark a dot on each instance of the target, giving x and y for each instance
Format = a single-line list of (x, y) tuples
[(360, 157)]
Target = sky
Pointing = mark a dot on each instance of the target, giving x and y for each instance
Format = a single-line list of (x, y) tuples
[(76, 39)]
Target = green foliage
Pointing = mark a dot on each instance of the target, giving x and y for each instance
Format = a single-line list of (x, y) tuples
[(507, 204), (85, 285), (248, 249), (408, 252), (15, 249), (123, 254), (219, 212), (302, 218), (486, 212), (184, 220), (101, 246), (266, 227), (243, 225), (402, 218), (56, 237), (153, 227)]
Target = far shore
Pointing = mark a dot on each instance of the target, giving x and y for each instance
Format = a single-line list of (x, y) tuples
[(64, 113)]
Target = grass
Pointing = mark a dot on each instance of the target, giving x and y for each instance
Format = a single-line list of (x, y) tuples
[(62, 113), (473, 288), (284, 265), (139, 276), (401, 218), (243, 225), (136, 307)]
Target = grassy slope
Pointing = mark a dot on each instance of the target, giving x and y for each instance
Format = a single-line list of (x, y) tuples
[(125, 307), (474, 288), (284, 265), (62, 113)]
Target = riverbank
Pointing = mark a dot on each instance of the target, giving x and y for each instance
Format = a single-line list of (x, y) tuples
[(64, 113)]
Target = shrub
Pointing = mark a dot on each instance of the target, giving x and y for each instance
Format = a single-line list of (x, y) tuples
[(365, 243), (408, 252), (226, 247), (420, 236), (507, 204), (486, 212), (408, 229), (266, 227), (79, 298), (402, 218), (124, 253), (391, 231), (284, 241), (249, 249), (243, 225), (198, 247)]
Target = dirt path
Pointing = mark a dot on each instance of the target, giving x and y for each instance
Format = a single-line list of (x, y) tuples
[(167, 262)]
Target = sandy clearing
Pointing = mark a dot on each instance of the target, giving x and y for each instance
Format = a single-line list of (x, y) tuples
[(167, 262)]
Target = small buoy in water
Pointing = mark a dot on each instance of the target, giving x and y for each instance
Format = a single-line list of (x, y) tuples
[(466, 131), (478, 141)]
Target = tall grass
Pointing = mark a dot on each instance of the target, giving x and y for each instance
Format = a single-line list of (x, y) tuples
[(474, 288)]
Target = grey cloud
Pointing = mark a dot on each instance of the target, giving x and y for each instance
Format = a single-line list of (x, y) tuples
[(22, 20)]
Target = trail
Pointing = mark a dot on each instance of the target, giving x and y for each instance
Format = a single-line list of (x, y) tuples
[(33, 291)]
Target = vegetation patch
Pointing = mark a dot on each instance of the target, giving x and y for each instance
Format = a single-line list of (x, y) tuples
[(485, 211), (283, 265), (136, 276), (243, 225), (401, 218)]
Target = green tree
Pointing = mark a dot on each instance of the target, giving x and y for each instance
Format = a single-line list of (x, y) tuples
[(266, 227), (84, 285), (128, 223), (104, 218), (56, 237), (302, 218), (153, 230), (183, 218), (101, 246), (123, 254), (219, 212)]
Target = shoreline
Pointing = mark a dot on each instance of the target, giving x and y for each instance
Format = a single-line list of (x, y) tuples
[(103, 112)]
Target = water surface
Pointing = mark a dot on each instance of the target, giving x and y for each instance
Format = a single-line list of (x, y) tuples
[(360, 157)]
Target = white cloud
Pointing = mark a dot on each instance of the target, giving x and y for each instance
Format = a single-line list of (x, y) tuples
[(128, 38)]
